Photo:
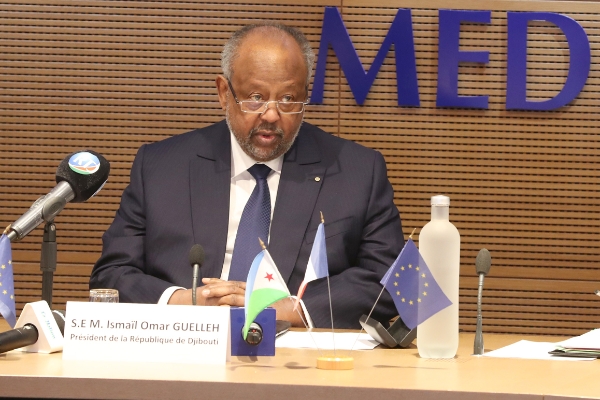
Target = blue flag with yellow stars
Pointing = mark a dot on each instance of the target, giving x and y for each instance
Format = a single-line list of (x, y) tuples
[(415, 292), (7, 286)]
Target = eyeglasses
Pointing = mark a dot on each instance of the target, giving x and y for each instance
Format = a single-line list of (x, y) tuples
[(260, 107)]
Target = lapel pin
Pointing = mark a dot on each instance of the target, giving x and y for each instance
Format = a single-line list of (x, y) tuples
[(317, 179)]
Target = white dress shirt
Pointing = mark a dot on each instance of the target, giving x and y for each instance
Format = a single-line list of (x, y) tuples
[(241, 187)]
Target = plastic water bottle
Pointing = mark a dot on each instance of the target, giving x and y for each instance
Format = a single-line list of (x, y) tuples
[(439, 244)]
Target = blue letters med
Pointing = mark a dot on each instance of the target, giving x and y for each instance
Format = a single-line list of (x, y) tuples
[(400, 34), (449, 57), (516, 77)]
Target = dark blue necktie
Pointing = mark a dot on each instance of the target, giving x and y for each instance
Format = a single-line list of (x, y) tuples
[(254, 224)]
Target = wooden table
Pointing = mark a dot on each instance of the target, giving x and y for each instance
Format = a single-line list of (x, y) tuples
[(291, 374)]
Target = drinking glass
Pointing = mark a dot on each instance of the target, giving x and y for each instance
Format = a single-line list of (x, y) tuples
[(104, 295)]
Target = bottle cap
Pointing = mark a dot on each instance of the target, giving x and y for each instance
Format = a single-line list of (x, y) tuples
[(440, 200)]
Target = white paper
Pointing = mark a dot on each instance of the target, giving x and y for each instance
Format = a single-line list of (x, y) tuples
[(532, 351), (589, 341), (325, 341)]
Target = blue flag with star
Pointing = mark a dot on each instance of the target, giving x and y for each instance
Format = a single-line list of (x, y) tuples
[(415, 292), (7, 286)]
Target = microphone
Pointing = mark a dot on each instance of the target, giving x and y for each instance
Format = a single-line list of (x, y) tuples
[(196, 261), (483, 262), (79, 176), (27, 335), (255, 334)]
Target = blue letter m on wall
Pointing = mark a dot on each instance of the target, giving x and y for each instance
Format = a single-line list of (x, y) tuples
[(400, 35)]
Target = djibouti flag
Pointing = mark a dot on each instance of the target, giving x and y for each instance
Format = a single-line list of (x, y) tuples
[(264, 287)]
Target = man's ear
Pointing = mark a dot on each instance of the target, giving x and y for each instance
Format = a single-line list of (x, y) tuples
[(222, 89)]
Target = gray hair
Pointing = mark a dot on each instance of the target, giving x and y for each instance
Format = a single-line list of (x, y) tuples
[(231, 48)]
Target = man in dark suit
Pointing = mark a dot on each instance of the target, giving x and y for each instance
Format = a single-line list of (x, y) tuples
[(192, 188)]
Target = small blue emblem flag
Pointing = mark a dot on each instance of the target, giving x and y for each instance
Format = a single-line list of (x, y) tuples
[(413, 288), (7, 286)]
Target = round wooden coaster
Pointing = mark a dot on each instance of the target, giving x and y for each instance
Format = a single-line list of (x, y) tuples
[(335, 363)]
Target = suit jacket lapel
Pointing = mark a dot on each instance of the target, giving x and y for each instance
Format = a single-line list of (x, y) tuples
[(210, 178), (301, 178)]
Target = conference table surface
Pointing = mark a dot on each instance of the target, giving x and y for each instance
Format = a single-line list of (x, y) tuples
[(292, 374)]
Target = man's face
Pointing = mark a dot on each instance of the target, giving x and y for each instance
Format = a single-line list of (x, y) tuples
[(269, 67)]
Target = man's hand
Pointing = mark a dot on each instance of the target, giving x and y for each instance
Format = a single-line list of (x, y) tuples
[(215, 292), (284, 309)]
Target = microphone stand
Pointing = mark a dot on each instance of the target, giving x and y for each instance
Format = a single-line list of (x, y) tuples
[(48, 261), (48, 256), (478, 345), (194, 283)]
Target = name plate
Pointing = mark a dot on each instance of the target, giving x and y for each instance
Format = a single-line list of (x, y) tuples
[(146, 333)]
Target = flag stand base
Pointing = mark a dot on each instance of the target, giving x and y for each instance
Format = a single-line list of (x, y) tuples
[(335, 363), (397, 335)]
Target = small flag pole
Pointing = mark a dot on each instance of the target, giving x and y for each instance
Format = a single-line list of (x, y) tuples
[(271, 290), (309, 330), (376, 301), (262, 244), (330, 306), (333, 363), (368, 316)]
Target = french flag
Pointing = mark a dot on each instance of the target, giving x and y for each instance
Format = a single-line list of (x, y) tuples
[(317, 263)]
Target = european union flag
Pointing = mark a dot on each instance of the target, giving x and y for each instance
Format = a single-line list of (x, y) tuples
[(415, 292), (7, 285)]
